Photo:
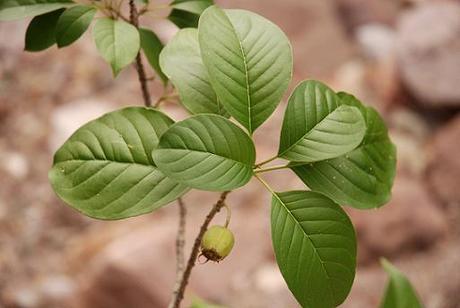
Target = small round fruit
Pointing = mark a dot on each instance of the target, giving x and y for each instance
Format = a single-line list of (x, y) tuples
[(217, 243)]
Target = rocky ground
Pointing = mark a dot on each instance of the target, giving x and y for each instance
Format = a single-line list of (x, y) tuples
[(400, 56)]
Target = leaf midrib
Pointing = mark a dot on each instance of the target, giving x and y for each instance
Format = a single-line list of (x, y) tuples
[(361, 146), (246, 73), (307, 133), (88, 11), (233, 160), (308, 237), (114, 45)]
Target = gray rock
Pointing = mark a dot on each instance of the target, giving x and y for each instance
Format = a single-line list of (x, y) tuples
[(429, 53), (15, 164), (444, 163), (376, 40)]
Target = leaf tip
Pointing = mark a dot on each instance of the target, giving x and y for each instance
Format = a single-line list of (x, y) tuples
[(115, 71), (384, 262)]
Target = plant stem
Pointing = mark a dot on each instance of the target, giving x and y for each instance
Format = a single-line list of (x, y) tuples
[(182, 275), (180, 246), (229, 215), (266, 161), (180, 241), (165, 97), (271, 168), (134, 19), (180, 238), (177, 297)]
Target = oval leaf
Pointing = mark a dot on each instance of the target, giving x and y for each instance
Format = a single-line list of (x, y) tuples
[(40, 33), (206, 152), (105, 170), (249, 60), (399, 291), (117, 41), (362, 178), (315, 247), (181, 62), (17, 9), (316, 127), (73, 23), (152, 46)]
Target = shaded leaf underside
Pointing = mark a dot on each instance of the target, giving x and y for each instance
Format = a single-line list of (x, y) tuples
[(182, 63), (363, 177)]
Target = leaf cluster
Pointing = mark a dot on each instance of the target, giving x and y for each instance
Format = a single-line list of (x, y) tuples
[(62, 22), (231, 73)]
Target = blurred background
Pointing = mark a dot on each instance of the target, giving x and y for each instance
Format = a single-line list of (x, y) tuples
[(400, 56)]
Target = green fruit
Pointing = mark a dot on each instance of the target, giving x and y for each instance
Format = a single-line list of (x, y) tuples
[(217, 243)]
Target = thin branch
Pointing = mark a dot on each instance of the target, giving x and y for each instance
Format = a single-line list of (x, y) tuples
[(271, 168), (180, 240), (177, 298), (180, 248), (164, 98), (134, 19), (258, 165), (229, 215), (108, 10), (117, 14), (182, 275)]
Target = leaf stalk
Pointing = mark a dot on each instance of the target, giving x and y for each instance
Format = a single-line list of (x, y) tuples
[(278, 167)]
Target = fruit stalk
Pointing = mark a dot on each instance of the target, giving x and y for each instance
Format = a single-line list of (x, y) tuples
[(179, 295)]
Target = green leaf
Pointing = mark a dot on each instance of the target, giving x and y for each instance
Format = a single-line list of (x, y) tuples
[(185, 13), (399, 292), (181, 62), (152, 46), (192, 6), (117, 41), (17, 9), (315, 247), (40, 33), (105, 170), (362, 178), (73, 23), (183, 19), (206, 152), (249, 60), (317, 127)]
